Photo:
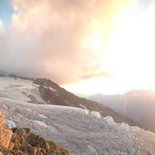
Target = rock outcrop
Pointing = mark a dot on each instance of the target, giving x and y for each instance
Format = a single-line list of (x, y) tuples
[(21, 141), (5, 134)]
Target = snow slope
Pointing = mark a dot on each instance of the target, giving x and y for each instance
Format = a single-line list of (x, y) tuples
[(80, 131), (44, 91), (19, 89)]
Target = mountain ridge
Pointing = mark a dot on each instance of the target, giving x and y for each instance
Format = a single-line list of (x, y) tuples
[(52, 93), (67, 98), (136, 104)]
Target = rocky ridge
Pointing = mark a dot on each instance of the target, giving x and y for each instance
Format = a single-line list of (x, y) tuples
[(53, 94), (21, 141)]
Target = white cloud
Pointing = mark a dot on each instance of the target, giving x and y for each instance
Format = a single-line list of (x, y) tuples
[(46, 38), (2, 29)]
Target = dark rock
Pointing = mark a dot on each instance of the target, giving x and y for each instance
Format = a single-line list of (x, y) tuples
[(53, 94)]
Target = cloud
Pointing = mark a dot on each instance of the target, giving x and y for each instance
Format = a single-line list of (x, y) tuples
[(46, 38), (2, 29)]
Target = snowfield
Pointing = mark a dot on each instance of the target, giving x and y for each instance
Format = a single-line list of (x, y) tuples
[(80, 131), (19, 89)]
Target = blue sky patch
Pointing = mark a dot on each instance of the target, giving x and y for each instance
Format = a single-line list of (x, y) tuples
[(6, 11)]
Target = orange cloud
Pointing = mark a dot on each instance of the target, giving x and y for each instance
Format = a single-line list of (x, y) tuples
[(46, 36)]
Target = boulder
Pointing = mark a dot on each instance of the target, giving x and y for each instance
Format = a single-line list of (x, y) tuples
[(1, 120), (5, 134)]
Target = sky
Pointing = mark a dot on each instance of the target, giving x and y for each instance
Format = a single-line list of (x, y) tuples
[(86, 46), (6, 11)]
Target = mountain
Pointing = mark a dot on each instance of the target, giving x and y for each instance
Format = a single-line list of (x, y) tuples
[(53, 94), (80, 126), (44, 91), (138, 105)]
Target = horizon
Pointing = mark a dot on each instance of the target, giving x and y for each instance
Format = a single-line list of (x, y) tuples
[(85, 95), (88, 47)]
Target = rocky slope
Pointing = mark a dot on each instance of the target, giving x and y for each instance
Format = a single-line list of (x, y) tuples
[(53, 94), (21, 141)]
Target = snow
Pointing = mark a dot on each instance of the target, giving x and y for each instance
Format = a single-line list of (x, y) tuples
[(42, 116), (19, 89), (52, 89), (42, 124), (95, 114), (80, 131), (110, 120), (82, 106), (10, 123)]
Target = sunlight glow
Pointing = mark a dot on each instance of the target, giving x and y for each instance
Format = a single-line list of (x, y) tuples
[(131, 51), (94, 39), (129, 56), (94, 42)]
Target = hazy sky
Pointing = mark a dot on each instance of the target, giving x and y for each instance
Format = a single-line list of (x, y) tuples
[(88, 46)]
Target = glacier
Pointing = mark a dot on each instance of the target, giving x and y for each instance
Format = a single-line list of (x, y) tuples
[(80, 131)]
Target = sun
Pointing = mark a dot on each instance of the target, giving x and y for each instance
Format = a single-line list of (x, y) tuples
[(131, 51)]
